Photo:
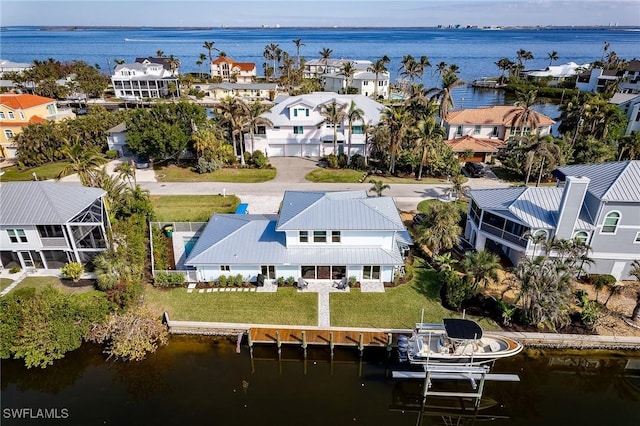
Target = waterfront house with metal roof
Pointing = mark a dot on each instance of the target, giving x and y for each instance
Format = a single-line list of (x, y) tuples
[(300, 130), (317, 236), (145, 78), (47, 224), (598, 204)]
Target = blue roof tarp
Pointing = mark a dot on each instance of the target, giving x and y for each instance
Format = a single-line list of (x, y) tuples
[(243, 208)]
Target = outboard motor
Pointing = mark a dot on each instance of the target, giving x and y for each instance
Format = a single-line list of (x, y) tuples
[(403, 348)]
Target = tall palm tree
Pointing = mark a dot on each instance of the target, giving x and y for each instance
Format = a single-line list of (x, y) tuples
[(82, 160), (254, 118), (234, 111), (552, 56), (424, 63), (298, 42), (325, 55), (378, 67), (481, 266), (440, 229), (272, 52), (630, 145), (504, 64), (174, 64), (347, 70), (159, 53), (523, 116), (426, 133), (543, 155), (334, 114), (127, 170), (353, 114), (396, 120), (200, 62), (449, 81), (378, 187), (209, 46), (522, 56)]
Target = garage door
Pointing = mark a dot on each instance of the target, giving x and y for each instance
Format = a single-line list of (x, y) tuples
[(276, 150)]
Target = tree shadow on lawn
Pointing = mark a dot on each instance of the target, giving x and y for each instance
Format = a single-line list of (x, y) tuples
[(426, 282)]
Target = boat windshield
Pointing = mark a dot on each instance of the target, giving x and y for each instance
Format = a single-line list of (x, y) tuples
[(462, 329)]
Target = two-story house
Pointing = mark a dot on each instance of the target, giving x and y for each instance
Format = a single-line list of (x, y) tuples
[(629, 104), (47, 224), (495, 122), (300, 130), (246, 91), (146, 78), (363, 80), (598, 204), (317, 236), (598, 79), (20, 110), (229, 70)]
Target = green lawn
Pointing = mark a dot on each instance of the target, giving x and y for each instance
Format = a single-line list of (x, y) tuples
[(397, 307), (39, 283), (173, 173), (4, 283), (47, 171), (425, 206), (191, 208), (286, 306), (327, 175)]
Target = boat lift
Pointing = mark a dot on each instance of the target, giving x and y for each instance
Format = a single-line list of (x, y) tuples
[(475, 375)]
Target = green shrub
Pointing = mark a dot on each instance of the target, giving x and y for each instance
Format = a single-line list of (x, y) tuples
[(332, 161), (15, 269), (168, 279), (207, 166), (457, 289), (258, 160), (352, 281), (290, 281), (239, 280), (112, 154), (222, 280), (602, 280), (160, 250), (72, 270), (590, 312), (280, 281)]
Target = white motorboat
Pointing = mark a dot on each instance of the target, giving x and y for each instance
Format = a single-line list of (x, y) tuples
[(457, 342)]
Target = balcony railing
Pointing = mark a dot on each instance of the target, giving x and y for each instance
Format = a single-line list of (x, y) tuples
[(59, 242), (501, 233)]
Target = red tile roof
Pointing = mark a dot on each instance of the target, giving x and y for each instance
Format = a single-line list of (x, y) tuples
[(495, 115), (244, 66), (23, 101), (469, 143)]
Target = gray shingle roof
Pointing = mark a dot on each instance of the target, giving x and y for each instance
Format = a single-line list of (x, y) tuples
[(43, 203), (341, 210), (613, 181)]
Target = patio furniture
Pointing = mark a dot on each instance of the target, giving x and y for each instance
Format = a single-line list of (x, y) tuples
[(342, 285), (302, 284), (260, 280)]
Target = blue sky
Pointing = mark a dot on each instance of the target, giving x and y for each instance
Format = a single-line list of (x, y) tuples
[(213, 13)]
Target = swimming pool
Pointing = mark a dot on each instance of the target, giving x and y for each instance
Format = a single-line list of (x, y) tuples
[(189, 243)]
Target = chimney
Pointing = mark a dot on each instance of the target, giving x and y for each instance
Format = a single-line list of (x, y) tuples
[(575, 189)]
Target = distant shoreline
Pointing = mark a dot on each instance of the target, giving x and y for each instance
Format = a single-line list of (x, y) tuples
[(275, 28)]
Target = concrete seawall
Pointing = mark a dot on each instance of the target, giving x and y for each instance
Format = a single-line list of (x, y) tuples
[(531, 340)]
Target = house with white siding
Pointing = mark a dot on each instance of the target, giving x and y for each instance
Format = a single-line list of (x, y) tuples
[(317, 235), (300, 130), (598, 204), (145, 78), (44, 225)]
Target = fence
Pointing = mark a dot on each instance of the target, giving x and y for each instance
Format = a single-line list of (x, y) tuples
[(190, 227)]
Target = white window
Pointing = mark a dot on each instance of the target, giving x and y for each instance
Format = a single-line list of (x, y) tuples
[(8, 134), (365, 83), (371, 272), (21, 114), (298, 130), (476, 130), (2, 116), (17, 235), (304, 236), (225, 268), (581, 236), (11, 116), (335, 236), (610, 223), (269, 271), (319, 236)]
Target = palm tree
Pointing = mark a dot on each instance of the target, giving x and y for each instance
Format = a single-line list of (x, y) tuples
[(200, 61), (523, 116), (440, 229), (127, 170), (426, 133), (457, 186), (274, 53), (630, 145), (542, 153), (254, 118), (82, 160), (334, 113), (395, 119), (209, 46), (450, 81), (234, 111), (347, 70), (522, 56), (504, 64), (424, 63), (444, 261), (159, 53), (174, 64), (298, 42), (378, 187), (481, 266), (552, 56), (353, 114), (378, 67), (325, 55)]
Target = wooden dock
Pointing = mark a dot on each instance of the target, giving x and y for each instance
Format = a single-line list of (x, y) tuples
[(303, 337)]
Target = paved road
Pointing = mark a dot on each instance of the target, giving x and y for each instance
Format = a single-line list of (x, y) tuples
[(266, 197)]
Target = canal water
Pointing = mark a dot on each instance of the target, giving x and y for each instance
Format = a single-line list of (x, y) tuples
[(203, 381)]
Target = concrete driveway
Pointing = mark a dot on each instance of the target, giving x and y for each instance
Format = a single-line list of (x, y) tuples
[(293, 169)]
